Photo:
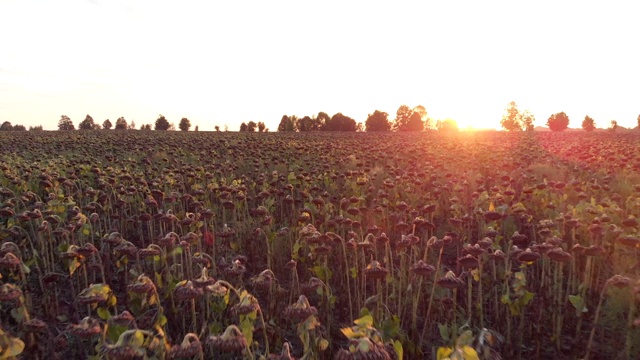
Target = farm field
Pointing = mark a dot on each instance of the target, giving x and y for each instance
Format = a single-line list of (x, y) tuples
[(216, 245)]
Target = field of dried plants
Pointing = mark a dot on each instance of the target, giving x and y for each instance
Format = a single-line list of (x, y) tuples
[(195, 245)]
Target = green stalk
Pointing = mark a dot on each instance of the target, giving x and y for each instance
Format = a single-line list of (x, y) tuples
[(433, 287)]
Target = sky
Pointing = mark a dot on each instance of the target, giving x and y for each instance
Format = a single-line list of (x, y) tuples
[(226, 62)]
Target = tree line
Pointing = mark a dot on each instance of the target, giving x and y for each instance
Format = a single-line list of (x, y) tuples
[(161, 124), (406, 119), (6, 126), (516, 120)]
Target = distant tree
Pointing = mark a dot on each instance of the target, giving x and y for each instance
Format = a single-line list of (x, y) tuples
[(320, 120), (6, 126), (359, 126), (340, 122), (638, 121), (146, 127), (107, 125), (162, 123), (18, 127), (588, 124), (226, 127), (196, 129), (514, 120), (527, 120), (87, 123), (378, 121), (121, 124), (426, 122), (35, 128), (408, 119), (261, 126), (97, 126), (305, 124), (217, 128), (132, 125), (185, 124), (447, 125), (287, 123), (243, 127), (558, 121), (614, 125), (252, 126), (65, 124)]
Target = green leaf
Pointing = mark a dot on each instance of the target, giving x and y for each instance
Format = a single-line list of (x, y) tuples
[(465, 339), (445, 333), (526, 298), (365, 321), (397, 347), (103, 313), (323, 344), (25, 268), (578, 304), (505, 299)]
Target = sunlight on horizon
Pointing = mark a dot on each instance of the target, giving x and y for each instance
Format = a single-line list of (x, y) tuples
[(227, 63)]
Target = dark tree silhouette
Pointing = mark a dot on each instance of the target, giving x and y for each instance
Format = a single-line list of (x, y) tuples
[(145, 127), (558, 121), (408, 119), (217, 128), (18, 127), (107, 125), (87, 123), (320, 120), (378, 121), (286, 124), (162, 123), (588, 124), (261, 126), (65, 124), (340, 122), (185, 124), (6, 126), (121, 124), (251, 126), (306, 124), (243, 127)]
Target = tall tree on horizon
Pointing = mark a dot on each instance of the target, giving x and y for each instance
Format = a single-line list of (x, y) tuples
[(378, 121), (558, 121), (162, 123), (287, 123), (184, 124), (121, 123), (87, 123), (65, 124), (408, 119), (588, 124)]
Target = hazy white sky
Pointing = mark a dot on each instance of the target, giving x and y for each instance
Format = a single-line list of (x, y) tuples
[(224, 62)]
